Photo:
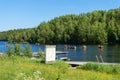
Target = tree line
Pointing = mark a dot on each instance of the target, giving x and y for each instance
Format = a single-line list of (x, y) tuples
[(97, 27)]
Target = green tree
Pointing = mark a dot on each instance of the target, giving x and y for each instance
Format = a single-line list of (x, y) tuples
[(27, 51), (10, 52), (17, 49), (97, 27)]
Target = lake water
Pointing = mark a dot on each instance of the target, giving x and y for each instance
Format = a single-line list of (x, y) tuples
[(110, 53)]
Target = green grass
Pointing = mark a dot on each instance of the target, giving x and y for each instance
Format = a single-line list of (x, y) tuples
[(22, 68), (110, 69)]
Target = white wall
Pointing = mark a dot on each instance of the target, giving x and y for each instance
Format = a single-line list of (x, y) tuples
[(50, 54)]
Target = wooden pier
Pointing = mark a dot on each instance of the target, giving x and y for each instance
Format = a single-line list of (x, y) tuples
[(65, 53), (61, 52), (1, 53), (77, 63)]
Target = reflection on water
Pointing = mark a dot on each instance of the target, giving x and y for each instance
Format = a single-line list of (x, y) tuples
[(110, 53)]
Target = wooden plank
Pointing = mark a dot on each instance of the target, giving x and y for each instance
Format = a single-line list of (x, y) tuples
[(82, 63), (76, 63), (61, 52)]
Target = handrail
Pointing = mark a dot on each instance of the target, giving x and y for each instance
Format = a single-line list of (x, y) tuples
[(100, 58)]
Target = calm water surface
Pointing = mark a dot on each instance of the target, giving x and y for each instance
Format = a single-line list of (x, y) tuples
[(110, 53)]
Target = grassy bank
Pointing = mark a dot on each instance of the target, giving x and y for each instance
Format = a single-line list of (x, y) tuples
[(103, 68), (22, 68)]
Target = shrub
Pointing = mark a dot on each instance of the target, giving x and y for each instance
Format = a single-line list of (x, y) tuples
[(17, 49), (101, 68), (90, 66), (41, 55), (10, 51), (61, 65), (27, 51)]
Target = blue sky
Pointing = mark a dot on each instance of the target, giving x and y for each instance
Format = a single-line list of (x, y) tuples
[(17, 14)]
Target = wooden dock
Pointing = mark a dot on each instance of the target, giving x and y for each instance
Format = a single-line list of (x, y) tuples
[(61, 52), (77, 63), (1, 53)]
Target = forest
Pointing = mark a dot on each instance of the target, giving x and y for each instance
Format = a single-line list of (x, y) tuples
[(97, 27)]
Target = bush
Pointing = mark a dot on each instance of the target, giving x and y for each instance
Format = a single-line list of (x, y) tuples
[(41, 55), (17, 49), (61, 65), (27, 51), (101, 68), (10, 51)]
